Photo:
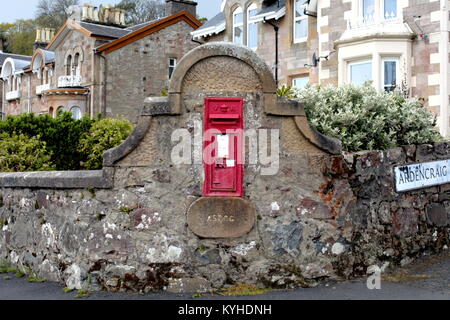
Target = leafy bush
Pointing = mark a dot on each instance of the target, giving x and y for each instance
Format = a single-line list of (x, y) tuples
[(61, 135), (365, 119), (70, 144), (103, 135), (19, 152)]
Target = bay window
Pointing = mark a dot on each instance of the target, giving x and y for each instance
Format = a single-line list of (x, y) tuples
[(300, 22), (389, 9), (360, 72), (390, 73)]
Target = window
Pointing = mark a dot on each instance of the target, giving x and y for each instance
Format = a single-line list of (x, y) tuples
[(389, 9), (300, 82), (76, 65), (51, 112), (238, 26), (390, 73), (300, 22), (69, 66), (368, 10), (172, 65), (59, 109), (76, 113), (252, 27), (360, 72)]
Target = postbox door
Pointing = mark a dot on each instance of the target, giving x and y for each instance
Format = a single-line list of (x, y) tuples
[(223, 125)]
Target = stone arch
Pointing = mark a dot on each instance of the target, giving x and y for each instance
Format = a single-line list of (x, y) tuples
[(215, 49)]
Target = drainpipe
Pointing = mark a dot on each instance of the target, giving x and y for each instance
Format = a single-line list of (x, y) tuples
[(276, 29), (443, 53)]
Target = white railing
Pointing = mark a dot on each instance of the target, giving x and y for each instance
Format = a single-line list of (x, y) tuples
[(13, 95), (69, 81), (371, 20), (41, 88)]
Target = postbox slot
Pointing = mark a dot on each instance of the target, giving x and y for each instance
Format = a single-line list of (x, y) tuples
[(224, 118)]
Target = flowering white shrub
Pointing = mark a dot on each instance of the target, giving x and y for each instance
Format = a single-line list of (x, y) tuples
[(365, 119)]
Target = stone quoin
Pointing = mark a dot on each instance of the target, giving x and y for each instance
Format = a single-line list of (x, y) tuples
[(143, 223)]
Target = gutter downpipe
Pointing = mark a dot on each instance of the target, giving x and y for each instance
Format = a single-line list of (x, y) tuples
[(276, 29), (443, 52)]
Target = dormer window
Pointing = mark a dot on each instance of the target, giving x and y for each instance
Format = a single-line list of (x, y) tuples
[(238, 26), (300, 22)]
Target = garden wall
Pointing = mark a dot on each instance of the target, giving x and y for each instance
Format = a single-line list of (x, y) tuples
[(137, 224)]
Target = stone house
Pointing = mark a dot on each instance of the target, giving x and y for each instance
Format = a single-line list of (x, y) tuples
[(95, 64), (393, 43)]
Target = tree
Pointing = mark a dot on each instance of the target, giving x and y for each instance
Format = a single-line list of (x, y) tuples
[(140, 11), (18, 36), (53, 13)]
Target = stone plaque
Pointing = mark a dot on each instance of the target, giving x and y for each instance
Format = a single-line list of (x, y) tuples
[(422, 175), (221, 217)]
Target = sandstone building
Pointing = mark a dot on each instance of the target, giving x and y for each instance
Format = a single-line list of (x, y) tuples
[(95, 64), (393, 43)]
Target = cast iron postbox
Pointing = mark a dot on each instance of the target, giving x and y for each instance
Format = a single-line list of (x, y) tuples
[(223, 147)]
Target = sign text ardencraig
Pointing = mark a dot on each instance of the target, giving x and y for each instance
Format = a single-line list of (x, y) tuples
[(422, 175)]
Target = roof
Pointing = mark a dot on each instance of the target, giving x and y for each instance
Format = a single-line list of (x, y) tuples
[(103, 30), (149, 28), (215, 25), (141, 25), (275, 10), (272, 9), (4, 56)]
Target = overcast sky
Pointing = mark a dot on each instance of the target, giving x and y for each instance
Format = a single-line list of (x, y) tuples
[(25, 9)]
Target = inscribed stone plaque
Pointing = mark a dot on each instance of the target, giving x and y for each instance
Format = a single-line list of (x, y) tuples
[(220, 217)]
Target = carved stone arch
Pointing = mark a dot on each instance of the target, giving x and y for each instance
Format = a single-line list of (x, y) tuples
[(80, 51), (68, 53), (215, 49)]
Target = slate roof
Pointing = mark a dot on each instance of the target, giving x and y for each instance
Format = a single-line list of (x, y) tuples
[(141, 25), (103, 30), (214, 21), (273, 6), (4, 56)]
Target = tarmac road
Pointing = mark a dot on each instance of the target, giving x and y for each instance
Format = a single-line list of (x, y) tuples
[(426, 279)]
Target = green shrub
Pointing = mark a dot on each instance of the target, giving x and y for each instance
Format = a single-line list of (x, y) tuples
[(61, 135), (103, 135), (19, 152), (286, 91), (365, 119)]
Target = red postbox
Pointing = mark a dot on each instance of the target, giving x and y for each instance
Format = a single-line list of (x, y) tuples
[(223, 147)]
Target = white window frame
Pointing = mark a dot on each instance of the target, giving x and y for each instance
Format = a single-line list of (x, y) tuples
[(253, 6), (382, 9), (397, 71), (303, 17), (237, 11), (300, 77), (356, 62), (172, 64)]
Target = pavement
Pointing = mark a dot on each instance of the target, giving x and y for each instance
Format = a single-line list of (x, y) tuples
[(428, 278)]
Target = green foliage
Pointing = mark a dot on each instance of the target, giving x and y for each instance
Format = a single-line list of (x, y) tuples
[(37, 143), (61, 135), (18, 36), (286, 91), (364, 119), (19, 152), (103, 135)]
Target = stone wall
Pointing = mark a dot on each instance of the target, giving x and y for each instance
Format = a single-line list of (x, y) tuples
[(322, 215)]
